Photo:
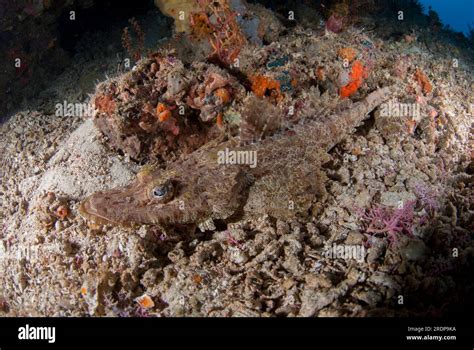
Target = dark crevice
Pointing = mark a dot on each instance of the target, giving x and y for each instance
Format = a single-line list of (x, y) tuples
[(101, 16), (366, 126)]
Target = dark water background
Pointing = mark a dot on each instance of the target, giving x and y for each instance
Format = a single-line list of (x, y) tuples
[(458, 14)]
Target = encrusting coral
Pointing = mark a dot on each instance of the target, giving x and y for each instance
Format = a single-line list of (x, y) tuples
[(144, 115), (212, 91)]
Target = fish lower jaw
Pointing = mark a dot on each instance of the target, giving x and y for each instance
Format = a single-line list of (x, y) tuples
[(92, 218)]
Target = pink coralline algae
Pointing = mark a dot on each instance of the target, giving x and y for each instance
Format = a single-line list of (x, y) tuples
[(390, 221), (429, 198)]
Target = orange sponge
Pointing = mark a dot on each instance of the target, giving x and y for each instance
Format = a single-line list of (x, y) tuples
[(162, 112), (358, 73), (262, 85)]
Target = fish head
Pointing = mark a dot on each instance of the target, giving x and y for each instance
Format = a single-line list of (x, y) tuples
[(179, 195)]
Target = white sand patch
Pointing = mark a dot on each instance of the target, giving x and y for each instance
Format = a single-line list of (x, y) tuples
[(81, 166)]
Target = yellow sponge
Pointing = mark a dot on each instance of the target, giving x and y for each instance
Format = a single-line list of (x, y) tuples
[(180, 11)]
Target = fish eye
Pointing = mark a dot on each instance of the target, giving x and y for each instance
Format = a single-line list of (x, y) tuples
[(163, 191), (160, 191)]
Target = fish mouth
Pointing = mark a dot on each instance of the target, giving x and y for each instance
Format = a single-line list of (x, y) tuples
[(123, 206), (89, 210)]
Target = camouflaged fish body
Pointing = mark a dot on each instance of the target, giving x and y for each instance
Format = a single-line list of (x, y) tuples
[(285, 180)]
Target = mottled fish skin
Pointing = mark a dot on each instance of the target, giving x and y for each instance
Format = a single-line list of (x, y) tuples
[(200, 186), (286, 181)]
